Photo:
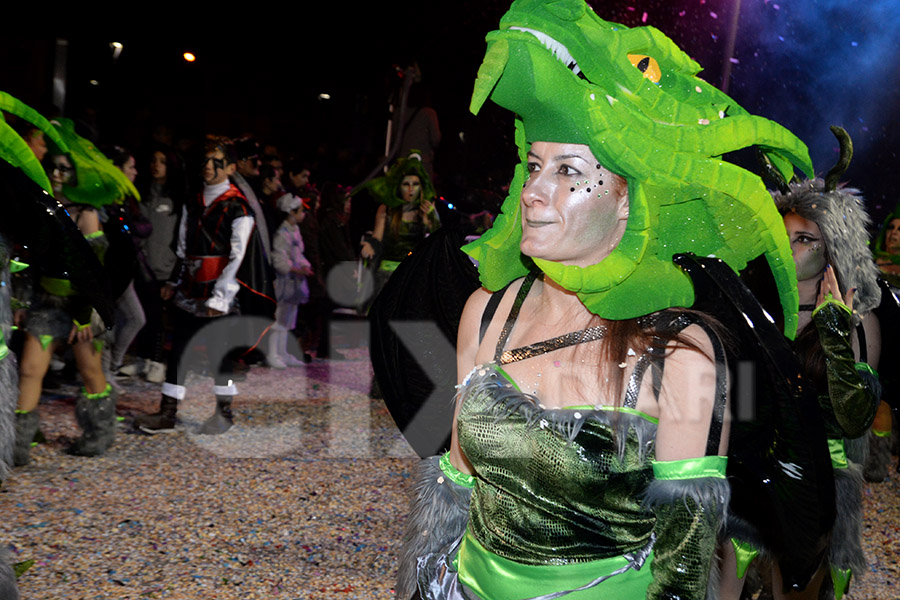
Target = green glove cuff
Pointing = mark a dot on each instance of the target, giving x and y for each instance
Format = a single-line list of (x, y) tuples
[(454, 474), (690, 468), (830, 300)]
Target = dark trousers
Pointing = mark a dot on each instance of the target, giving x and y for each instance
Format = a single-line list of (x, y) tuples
[(202, 344)]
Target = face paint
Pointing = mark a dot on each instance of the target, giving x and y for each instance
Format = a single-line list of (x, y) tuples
[(562, 222), (410, 188), (807, 246)]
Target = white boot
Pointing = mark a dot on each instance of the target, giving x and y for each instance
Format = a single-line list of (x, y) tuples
[(288, 358), (273, 355), (155, 372)]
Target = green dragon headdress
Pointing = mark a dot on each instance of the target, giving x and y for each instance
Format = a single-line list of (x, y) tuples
[(386, 189), (634, 98), (14, 149), (98, 181)]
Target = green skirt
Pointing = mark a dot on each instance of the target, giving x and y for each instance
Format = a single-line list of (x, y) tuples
[(493, 577)]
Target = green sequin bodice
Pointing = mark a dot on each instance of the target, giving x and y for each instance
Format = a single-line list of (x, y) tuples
[(553, 486)]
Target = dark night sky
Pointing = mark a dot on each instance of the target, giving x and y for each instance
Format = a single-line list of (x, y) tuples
[(805, 63)]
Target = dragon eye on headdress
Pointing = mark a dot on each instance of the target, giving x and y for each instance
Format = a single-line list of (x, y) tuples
[(646, 65)]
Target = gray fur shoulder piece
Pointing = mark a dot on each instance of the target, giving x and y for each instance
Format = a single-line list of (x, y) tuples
[(438, 516), (843, 220), (711, 494)]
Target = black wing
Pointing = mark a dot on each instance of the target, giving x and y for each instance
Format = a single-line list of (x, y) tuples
[(33, 218), (779, 467), (422, 303)]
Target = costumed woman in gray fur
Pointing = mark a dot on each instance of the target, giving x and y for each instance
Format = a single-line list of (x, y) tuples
[(838, 343), (61, 311)]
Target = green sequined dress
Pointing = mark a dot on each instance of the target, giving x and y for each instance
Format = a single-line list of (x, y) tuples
[(559, 497)]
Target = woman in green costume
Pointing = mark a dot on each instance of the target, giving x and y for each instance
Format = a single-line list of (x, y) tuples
[(405, 216), (58, 314), (83, 180), (589, 441), (887, 248)]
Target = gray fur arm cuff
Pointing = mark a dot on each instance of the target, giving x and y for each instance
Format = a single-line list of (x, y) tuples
[(689, 515), (439, 513)]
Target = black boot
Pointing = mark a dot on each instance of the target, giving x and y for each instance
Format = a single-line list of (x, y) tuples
[(26, 427), (96, 415), (162, 421), (221, 420)]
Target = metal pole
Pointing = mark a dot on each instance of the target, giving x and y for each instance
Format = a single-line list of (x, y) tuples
[(729, 45), (59, 75)]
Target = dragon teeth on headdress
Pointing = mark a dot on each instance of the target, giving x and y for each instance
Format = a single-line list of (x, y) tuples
[(558, 49)]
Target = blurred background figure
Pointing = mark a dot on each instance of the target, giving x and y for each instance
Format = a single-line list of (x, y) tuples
[(291, 288)]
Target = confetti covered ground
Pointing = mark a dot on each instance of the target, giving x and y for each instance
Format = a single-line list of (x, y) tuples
[(304, 498)]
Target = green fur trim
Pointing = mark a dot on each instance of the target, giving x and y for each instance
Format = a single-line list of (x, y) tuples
[(456, 476), (691, 468), (95, 235), (744, 553), (99, 395)]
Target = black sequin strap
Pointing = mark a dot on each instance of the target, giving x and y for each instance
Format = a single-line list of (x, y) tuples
[(504, 357), (561, 341), (655, 356), (514, 313)]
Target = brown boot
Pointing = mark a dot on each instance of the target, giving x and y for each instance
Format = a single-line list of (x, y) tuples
[(162, 421)]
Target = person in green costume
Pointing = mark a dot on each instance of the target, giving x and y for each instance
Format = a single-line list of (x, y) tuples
[(887, 248), (406, 215), (571, 473), (82, 180)]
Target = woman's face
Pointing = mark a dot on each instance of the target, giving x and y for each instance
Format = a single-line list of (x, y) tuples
[(37, 144), (807, 245), (410, 188), (158, 166), (892, 237), (129, 169), (61, 171), (574, 210)]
